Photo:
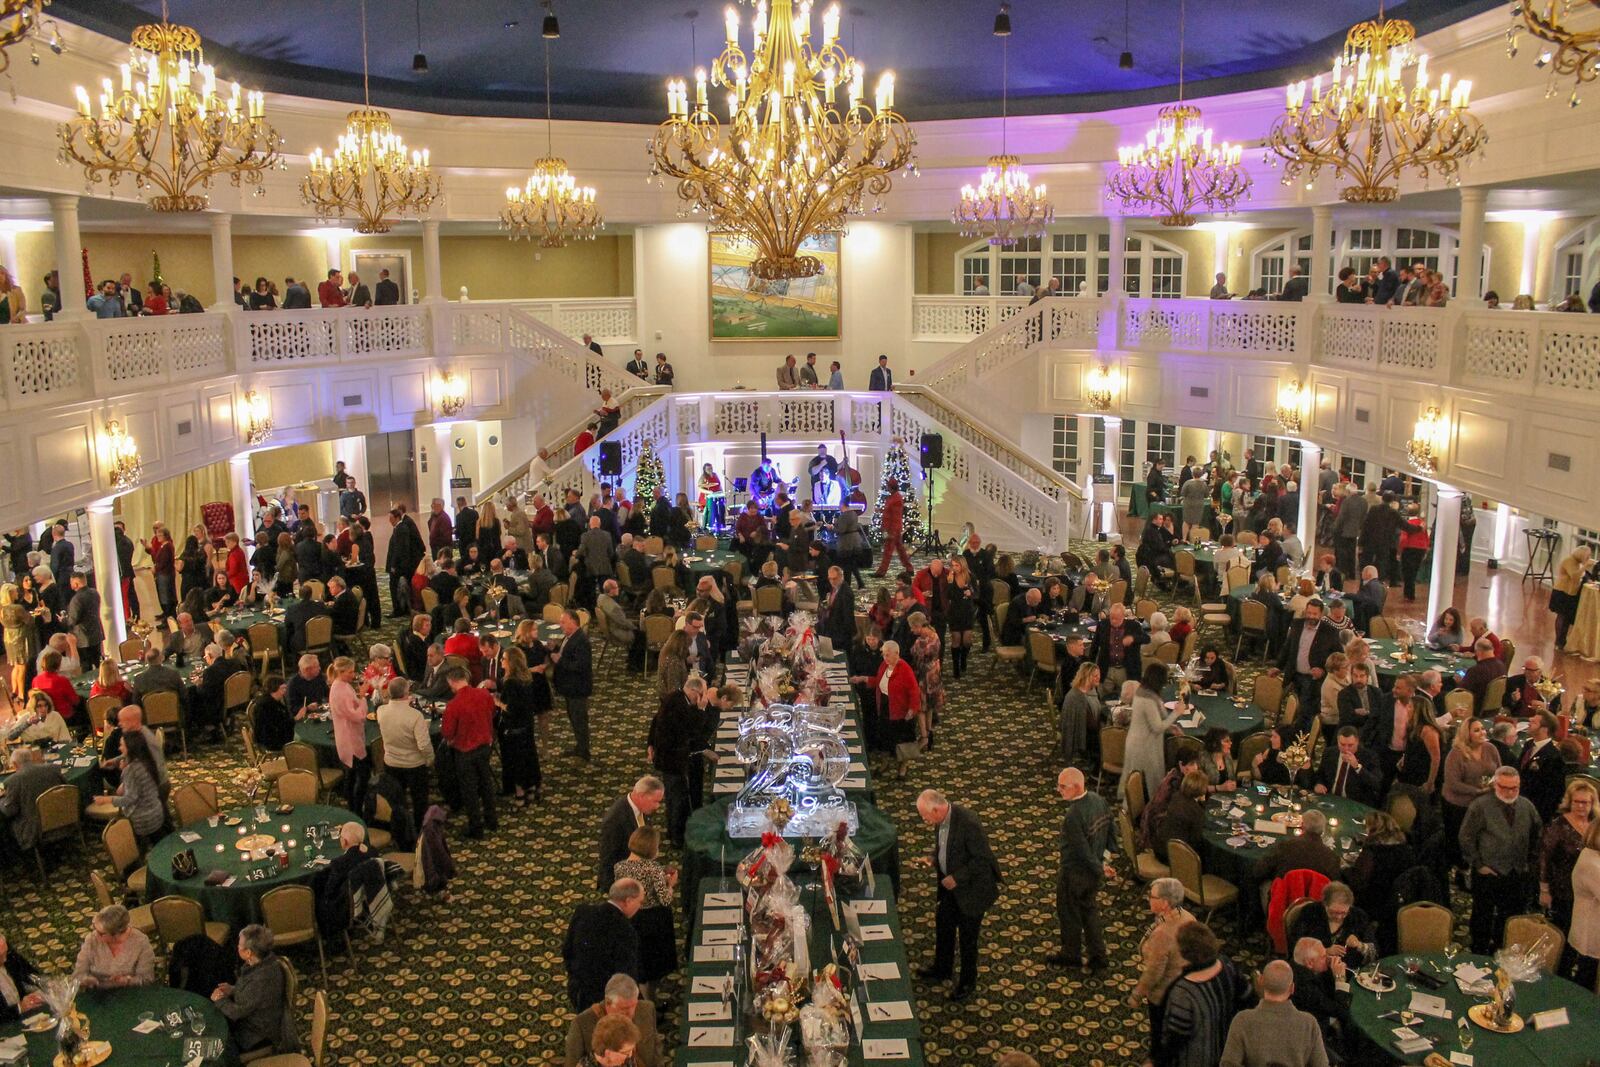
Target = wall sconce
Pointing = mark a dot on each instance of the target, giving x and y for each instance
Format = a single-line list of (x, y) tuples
[(122, 455), (1426, 446), (257, 418), (1100, 389), (1294, 403), (452, 394)]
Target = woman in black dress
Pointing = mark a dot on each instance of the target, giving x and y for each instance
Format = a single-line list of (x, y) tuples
[(489, 545), (961, 612), (864, 659), (192, 565), (519, 700)]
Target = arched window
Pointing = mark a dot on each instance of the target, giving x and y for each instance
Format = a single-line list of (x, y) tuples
[(1577, 265), (1360, 247), (1151, 266)]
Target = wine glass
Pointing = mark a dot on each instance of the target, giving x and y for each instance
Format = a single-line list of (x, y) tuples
[(1452, 950), (1464, 1035)]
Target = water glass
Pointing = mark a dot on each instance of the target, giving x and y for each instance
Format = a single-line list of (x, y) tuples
[(1464, 1035)]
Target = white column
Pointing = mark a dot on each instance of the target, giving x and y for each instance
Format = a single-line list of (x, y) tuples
[(1219, 250), (333, 249), (244, 498), (1502, 534), (433, 285), (1108, 465), (8, 257), (222, 260), (1118, 247), (1310, 468), (441, 463), (1321, 253), (1446, 537), (69, 256), (1531, 229), (1469, 251), (107, 576)]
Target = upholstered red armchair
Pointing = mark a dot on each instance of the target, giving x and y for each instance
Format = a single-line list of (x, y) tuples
[(218, 519)]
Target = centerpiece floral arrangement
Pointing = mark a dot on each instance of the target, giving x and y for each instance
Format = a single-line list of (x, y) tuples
[(60, 996), (784, 662), (1296, 757)]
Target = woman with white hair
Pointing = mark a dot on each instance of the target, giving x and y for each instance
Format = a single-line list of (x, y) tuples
[(1161, 964), (1159, 634), (257, 1005), (379, 672), (900, 711)]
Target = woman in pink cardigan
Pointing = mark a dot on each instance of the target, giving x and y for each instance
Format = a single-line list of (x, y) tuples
[(349, 713)]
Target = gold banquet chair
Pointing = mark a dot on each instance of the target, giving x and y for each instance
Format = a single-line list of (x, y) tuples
[(59, 818), (1144, 864), (1133, 793), (122, 846), (139, 917), (1200, 889), (179, 917), (290, 912), (1423, 927), (319, 1038), (298, 787), (1526, 930)]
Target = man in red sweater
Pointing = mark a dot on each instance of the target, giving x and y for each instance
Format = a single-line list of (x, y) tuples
[(330, 294), (464, 643), (893, 521), (469, 730)]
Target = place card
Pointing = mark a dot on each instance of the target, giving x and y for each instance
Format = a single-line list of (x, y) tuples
[(188, 837), (710, 1011), (1189, 724), (719, 937), (148, 1026), (724, 900), (713, 954), (1405, 1033), (726, 787), (83, 761), (888, 1011), (868, 907), (1461, 1058), (1470, 972), (892, 1048), (1547, 1020), (858, 767), (876, 932), (735, 771), (1270, 826), (704, 985), (853, 783), (227, 883), (721, 917), (1430, 1004), (1412, 1045), (710, 1037), (879, 972)]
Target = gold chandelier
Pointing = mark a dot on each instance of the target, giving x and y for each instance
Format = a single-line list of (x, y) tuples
[(123, 465), (24, 20), (551, 206), (369, 175), (1176, 169), (791, 165), (1371, 126), (1004, 207), (1576, 52), (1425, 448), (1294, 400), (168, 127)]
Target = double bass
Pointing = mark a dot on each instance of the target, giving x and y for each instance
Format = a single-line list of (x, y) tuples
[(850, 479)]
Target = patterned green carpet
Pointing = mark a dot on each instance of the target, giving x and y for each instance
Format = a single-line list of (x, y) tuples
[(480, 980)]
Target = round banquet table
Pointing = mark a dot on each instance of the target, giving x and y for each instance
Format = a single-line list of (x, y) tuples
[(1564, 1046), (66, 758), (239, 904), (112, 1015), (318, 733), (709, 851), (1234, 860), (717, 561), (1239, 717)]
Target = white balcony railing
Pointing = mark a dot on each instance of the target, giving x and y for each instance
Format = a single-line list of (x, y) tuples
[(1058, 322), (609, 320)]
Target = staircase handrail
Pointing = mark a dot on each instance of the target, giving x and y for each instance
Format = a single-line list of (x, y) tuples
[(974, 431), (565, 465), (1045, 320)]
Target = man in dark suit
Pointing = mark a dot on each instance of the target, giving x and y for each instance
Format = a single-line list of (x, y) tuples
[(660, 514), (838, 610), (210, 693), (30, 780), (405, 553), (62, 556), (626, 815), (387, 291), (1349, 770), (83, 622), (1522, 698), (601, 942), (1026, 607), (1387, 284), (593, 345), (968, 884), (1115, 649), (1488, 667), (1369, 598), (1305, 653), (302, 611), (1544, 772), (444, 582), (573, 679), (882, 378), (1269, 557), (1360, 700), (1252, 467), (343, 606), (21, 974), (638, 564), (1296, 287), (1300, 852)]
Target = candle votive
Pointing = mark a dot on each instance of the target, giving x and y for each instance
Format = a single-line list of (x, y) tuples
[(243, 829), (219, 848), (285, 828), (293, 843)]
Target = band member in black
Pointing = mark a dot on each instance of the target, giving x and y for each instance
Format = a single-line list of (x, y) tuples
[(822, 467), (764, 484)]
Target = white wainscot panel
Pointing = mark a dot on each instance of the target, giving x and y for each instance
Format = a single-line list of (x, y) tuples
[(64, 456), (145, 429), (1255, 395), (1142, 385), (183, 427), (1364, 416), (486, 387), (294, 404), (351, 396), (10, 472), (1325, 408), (1558, 458), (1066, 380), (408, 393), (1399, 421), (1199, 392), (220, 430), (1482, 444)]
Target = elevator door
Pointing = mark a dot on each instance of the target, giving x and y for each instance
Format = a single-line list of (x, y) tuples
[(392, 479)]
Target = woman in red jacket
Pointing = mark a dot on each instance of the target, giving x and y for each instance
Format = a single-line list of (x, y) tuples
[(900, 701), (238, 567), (1413, 546)]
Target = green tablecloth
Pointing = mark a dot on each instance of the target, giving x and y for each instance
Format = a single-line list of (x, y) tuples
[(1446, 663), (66, 755), (713, 562), (1219, 710), (823, 938), (240, 621), (238, 904), (729, 776), (1236, 862), (1140, 505), (1564, 1046), (708, 851), (318, 733), (113, 1014)]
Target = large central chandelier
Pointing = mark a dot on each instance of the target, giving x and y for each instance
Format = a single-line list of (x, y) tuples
[(1177, 169), (167, 125), (1370, 126), (792, 164), (1004, 207), (551, 206), (1576, 52), (24, 20), (370, 174)]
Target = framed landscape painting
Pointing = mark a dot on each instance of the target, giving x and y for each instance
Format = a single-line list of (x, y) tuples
[(747, 308)]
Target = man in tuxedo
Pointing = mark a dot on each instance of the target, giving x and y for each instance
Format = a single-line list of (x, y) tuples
[(602, 942), (1544, 772), (573, 679), (302, 611), (1349, 770), (638, 366), (882, 378), (1305, 652), (626, 814), (387, 292), (968, 885), (1296, 287)]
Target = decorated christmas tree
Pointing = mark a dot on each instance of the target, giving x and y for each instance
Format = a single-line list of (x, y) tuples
[(897, 466), (647, 475)]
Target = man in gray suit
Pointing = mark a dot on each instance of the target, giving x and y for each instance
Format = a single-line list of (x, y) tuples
[(598, 553), (24, 787), (968, 885), (83, 619), (1347, 523)]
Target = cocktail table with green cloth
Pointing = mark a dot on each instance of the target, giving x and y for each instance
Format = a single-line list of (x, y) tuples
[(240, 620), (79, 766), (713, 562), (318, 732), (1236, 861), (708, 851), (879, 952), (1571, 1045), (1424, 659), (239, 903), (113, 1014), (1219, 709), (1140, 505), (505, 629)]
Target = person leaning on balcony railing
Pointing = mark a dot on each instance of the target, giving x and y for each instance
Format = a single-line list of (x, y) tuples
[(107, 303), (1352, 287), (1385, 282), (1220, 290), (1296, 287), (261, 298), (13, 302)]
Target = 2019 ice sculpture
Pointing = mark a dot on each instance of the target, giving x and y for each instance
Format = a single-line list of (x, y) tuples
[(794, 752)]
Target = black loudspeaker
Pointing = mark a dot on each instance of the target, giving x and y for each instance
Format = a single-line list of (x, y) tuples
[(611, 458), (932, 451)]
